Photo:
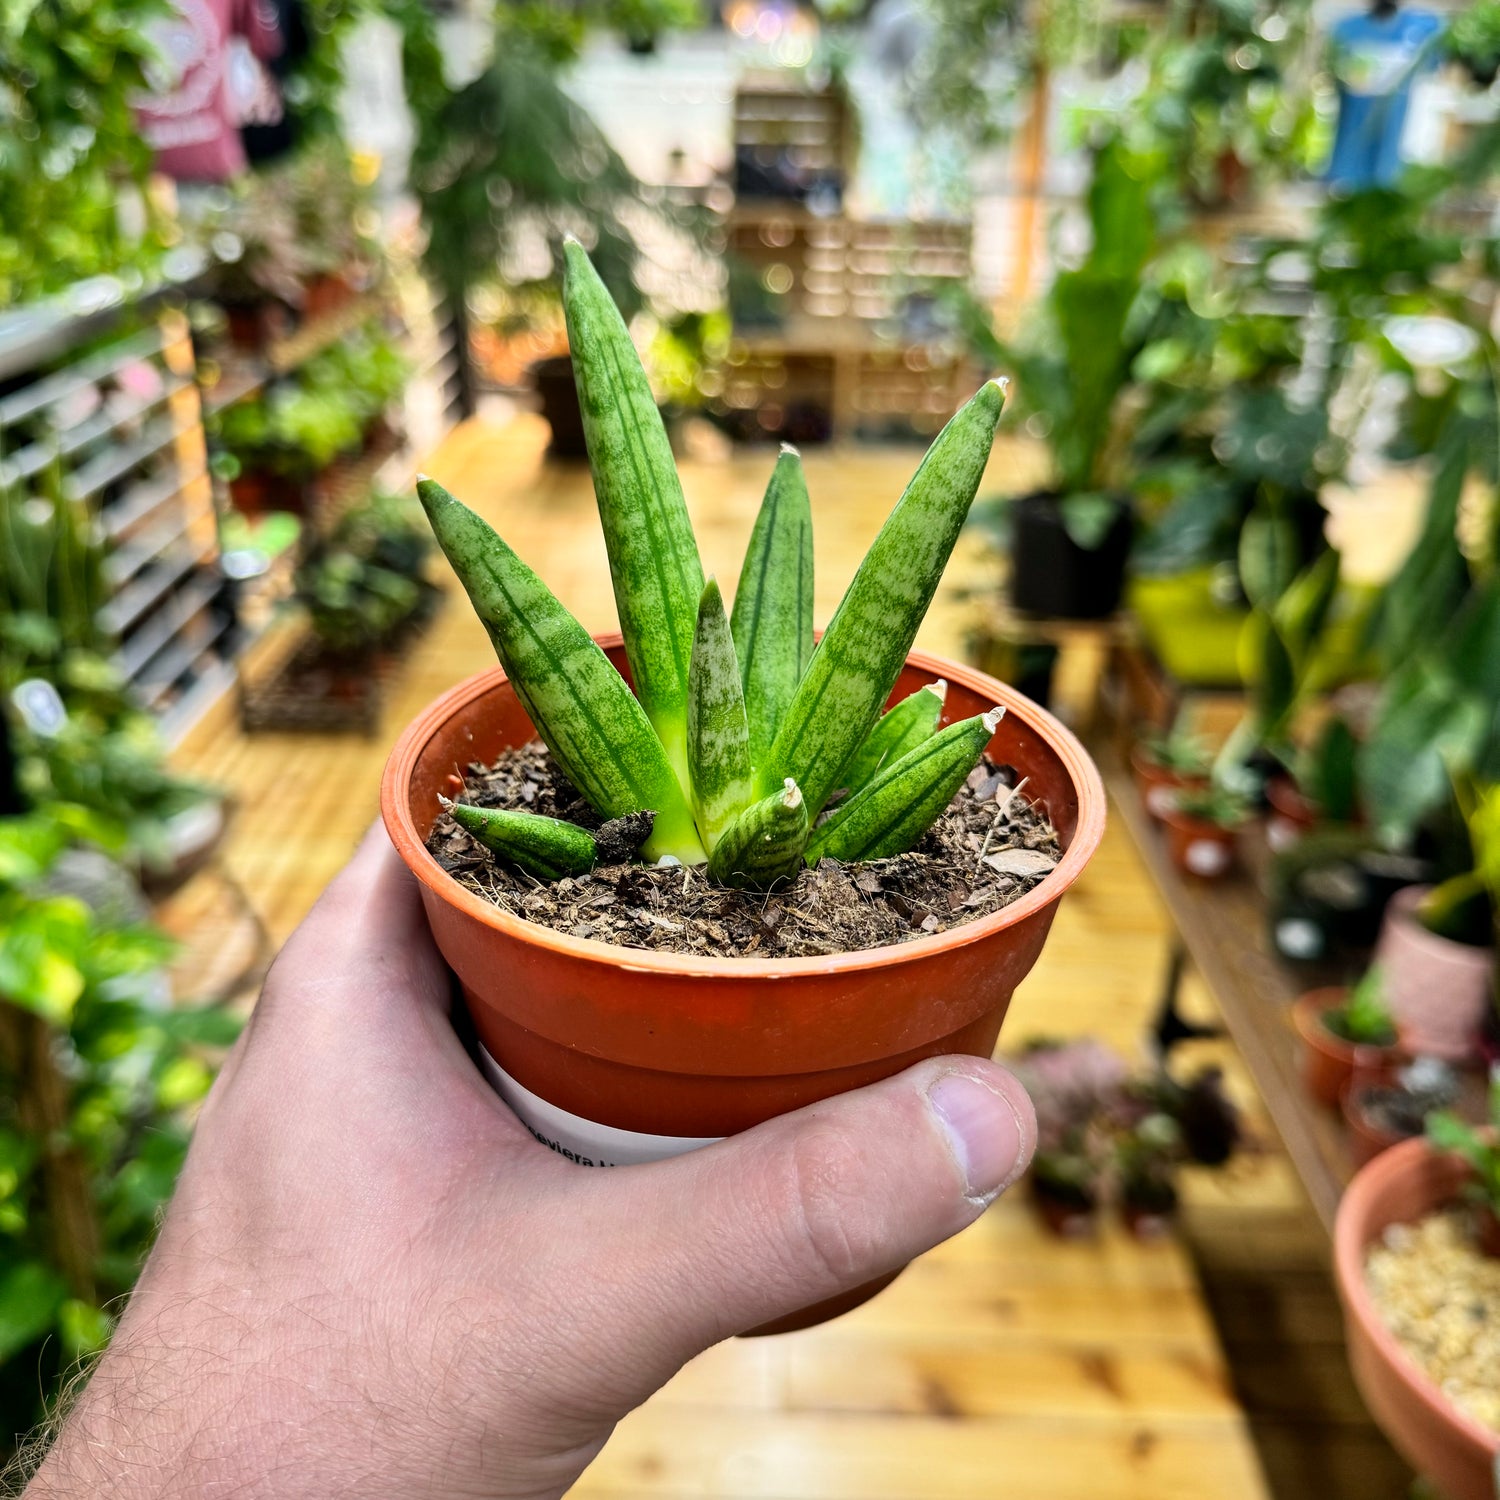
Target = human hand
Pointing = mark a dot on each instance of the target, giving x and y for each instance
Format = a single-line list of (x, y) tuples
[(373, 1281)]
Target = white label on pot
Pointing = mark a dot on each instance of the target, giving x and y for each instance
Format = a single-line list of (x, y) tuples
[(1160, 800), (1206, 857), (583, 1141)]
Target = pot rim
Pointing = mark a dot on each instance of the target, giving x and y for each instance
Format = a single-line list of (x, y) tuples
[(396, 814), (1307, 1019), (1401, 910), (1349, 1243)]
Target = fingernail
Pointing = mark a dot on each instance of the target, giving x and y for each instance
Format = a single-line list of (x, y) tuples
[(984, 1132)]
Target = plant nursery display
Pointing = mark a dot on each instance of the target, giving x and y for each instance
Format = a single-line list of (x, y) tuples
[(1418, 1264), (1202, 825), (1387, 1106), (1343, 1031), (707, 818)]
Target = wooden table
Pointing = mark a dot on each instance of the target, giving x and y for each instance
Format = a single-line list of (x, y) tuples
[(1222, 928)]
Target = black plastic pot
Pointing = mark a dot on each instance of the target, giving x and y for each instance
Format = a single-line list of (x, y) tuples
[(1052, 575), (559, 398)]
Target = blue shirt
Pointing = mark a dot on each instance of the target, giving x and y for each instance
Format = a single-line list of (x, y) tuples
[(1375, 59)]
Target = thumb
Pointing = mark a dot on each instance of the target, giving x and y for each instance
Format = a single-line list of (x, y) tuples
[(815, 1203)]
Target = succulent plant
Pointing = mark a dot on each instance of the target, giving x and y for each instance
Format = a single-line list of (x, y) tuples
[(741, 731)]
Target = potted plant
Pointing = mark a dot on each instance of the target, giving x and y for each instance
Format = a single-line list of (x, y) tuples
[(1202, 825), (734, 742), (1473, 40), (1480, 1149), (1067, 1188), (1391, 1106), (1437, 942), (1340, 1028), (1146, 1159), (1070, 542), (1409, 1276), (1166, 763), (1319, 788)]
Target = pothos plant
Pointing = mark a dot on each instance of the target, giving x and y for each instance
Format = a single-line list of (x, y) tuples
[(740, 733)]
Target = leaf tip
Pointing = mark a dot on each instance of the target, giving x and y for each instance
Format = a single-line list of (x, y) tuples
[(788, 450), (992, 719), (939, 688), (791, 795)]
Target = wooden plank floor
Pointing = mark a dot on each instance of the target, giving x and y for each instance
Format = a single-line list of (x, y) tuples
[(1004, 1362)]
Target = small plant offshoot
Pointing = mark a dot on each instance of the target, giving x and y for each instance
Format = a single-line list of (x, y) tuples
[(745, 747)]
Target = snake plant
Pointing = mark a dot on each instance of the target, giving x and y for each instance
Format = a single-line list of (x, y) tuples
[(740, 732)]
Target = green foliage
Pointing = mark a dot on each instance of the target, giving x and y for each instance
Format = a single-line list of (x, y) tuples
[(1466, 907), (1179, 749), (69, 146), (81, 1029), (748, 814), (511, 157), (1473, 37), (1364, 1017), (1073, 368), (324, 410), (1480, 1147), (366, 582), (1216, 803)]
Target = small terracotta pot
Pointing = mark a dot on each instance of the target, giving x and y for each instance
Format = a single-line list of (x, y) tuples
[(1438, 989), (1291, 815), (1156, 784), (629, 1043), (1065, 1216), (325, 295), (1366, 1139), (1199, 848), (1454, 1451), (1329, 1063)]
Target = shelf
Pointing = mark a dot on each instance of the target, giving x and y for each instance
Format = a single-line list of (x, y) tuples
[(98, 473), (149, 588), (158, 633), (175, 722), (141, 499), (125, 562), (173, 663), (52, 389)]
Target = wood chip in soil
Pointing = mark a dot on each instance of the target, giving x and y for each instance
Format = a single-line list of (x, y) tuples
[(988, 849)]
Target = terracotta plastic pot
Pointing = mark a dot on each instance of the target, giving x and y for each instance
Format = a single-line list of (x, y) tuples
[(1438, 989), (1366, 1139), (1329, 1063), (1156, 783), (1454, 1451), (1198, 847), (673, 1045), (612, 1055)]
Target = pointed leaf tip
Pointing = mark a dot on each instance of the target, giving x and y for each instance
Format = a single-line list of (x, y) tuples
[(940, 687), (993, 717), (789, 451), (791, 795)]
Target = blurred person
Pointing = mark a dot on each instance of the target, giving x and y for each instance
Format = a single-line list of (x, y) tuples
[(373, 1281), (191, 119)]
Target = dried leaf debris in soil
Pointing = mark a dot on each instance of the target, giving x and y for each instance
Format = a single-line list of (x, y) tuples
[(988, 849)]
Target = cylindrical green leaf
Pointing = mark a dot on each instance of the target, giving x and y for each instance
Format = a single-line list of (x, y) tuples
[(763, 846), (773, 605), (653, 557), (581, 707), (857, 661), (899, 729), (905, 799), (545, 847), (718, 741)]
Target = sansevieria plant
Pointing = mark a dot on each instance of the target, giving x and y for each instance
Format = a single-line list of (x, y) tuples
[(741, 731)]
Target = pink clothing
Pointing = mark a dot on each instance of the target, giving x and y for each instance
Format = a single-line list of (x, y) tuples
[(189, 119)]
